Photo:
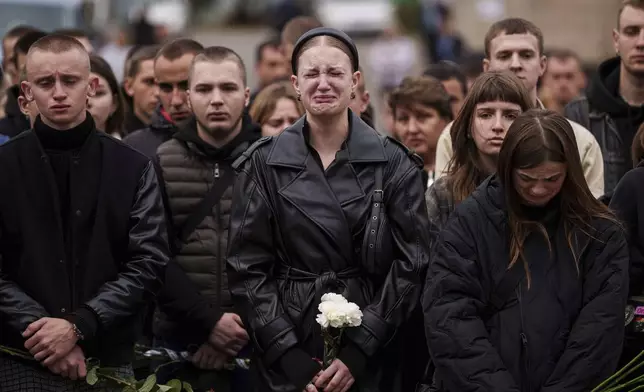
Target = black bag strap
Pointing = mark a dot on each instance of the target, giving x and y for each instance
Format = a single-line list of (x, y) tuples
[(205, 205), (502, 293)]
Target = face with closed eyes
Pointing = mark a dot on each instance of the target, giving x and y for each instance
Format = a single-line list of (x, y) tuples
[(59, 84), (538, 185), (325, 80)]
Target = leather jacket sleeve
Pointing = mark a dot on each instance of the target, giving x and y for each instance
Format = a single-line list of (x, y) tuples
[(249, 263), (399, 294), (142, 274), (16, 307)]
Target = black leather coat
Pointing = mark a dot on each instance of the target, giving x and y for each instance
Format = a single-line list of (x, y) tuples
[(297, 232), (119, 244)]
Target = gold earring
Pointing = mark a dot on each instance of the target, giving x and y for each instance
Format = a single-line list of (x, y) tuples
[(353, 95)]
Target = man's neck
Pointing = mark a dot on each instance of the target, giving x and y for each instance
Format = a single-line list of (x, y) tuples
[(65, 127), (534, 96), (217, 142), (328, 134), (142, 115), (631, 87)]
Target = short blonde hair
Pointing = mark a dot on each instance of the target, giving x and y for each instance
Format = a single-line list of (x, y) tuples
[(266, 101)]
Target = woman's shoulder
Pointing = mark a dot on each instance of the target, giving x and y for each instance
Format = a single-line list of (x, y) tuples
[(398, 154), (256, 150)]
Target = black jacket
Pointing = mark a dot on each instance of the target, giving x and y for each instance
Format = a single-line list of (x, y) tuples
[(297, 232), (610, 119), (196, 291), (148, 140), (572, 322), (627, 204), (119, 248), (14, 121)]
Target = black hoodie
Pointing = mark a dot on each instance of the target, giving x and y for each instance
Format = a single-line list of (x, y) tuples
[(603, 96)]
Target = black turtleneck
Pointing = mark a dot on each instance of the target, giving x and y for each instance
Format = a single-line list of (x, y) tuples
[(61, 148), (548, 214)]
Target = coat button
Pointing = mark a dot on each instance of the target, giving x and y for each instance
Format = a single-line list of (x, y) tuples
[(61, 261), (63, 310), (75, 162), (78, 212)]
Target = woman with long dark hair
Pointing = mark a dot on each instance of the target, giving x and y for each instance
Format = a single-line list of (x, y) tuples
[(496, 99), (328, 205), (529, 277), (107, 105)]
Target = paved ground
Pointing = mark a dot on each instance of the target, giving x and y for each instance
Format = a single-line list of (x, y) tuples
[(244, 42)]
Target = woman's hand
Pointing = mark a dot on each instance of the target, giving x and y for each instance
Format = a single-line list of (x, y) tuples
[(335, 378)]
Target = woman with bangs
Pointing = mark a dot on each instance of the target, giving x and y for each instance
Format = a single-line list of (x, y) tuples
[(529, 277), (495, 100)]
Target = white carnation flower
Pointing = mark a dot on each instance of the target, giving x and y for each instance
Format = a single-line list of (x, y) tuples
[(337, 312), (333, 297)]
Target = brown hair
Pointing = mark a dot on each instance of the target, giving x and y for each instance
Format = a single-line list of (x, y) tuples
[(465, 170), (637, 148), (512, 26), (296, 27), (57, 43), (266, 101), (114, 123), (423, 90), (324, 40), (218, 54), (639, 4), (177, 48), (144, 53), (535, 137)]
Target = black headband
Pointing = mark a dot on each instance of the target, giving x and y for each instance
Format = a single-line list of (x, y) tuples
[(331, 33)]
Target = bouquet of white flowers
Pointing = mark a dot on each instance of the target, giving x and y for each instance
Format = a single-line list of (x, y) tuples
[(336, 314)]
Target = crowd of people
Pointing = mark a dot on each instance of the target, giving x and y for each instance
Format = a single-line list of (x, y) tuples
[(489, 232)]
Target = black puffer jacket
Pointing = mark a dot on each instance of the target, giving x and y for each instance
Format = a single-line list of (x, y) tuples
[(573, 323), (190, 307), (297, 232)]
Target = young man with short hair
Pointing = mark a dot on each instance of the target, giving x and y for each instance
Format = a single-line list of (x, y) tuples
[(564, 79), (83, 237), (141, 88), (171, 69), (454, 81), (612, 107), (8, 42), (516, 45), (194, 306)]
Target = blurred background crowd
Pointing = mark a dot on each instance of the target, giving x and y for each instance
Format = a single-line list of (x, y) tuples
[(394, 37)]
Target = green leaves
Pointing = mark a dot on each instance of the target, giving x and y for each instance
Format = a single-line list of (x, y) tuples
[(149, 383), (108, 376), (92, 377)]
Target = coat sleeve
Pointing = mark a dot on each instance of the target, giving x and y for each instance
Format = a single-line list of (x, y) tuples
[(595, 342), (444, 152), (593, 164), (453, 301), (399, 294), (625, 204), (141, 276), (250, 262), (17, 308)]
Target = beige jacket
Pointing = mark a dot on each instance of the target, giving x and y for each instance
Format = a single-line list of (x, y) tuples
[(589, 152)]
